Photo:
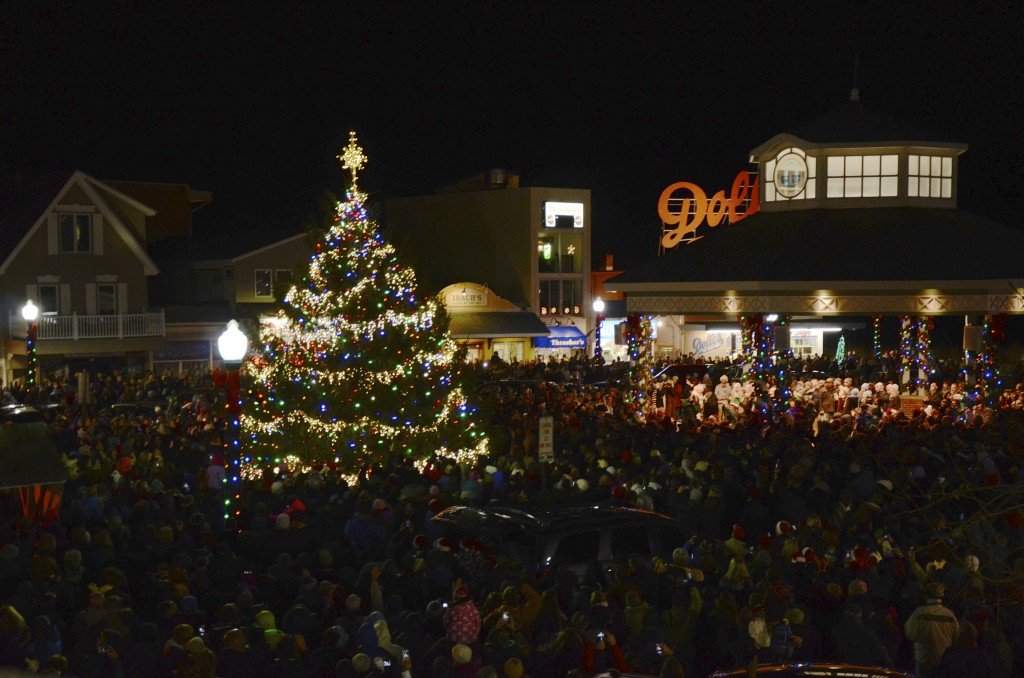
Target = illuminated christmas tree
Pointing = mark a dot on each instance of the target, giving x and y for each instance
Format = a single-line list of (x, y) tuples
[(356, 367)]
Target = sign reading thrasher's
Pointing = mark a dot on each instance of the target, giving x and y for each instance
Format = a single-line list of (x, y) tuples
[(546, 438), (684, 206)]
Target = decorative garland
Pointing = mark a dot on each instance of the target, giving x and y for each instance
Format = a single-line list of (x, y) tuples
[(876, 335)]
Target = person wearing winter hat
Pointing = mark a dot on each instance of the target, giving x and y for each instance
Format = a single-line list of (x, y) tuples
[(735, 544), (932, 628), (462, 620)]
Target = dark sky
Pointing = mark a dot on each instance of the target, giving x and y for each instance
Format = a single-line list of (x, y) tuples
[(254, 103)]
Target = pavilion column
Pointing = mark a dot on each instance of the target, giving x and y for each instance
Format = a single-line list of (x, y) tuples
[(906, 349), (923, 359), (876, 336)]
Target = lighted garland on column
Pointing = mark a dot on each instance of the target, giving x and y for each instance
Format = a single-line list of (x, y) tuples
[(876, 335), (355, 367), (783, 391), (841, 349), (762, 338), (746, 337), (986, 359), (923, 359), (639, 343), (906, 348)]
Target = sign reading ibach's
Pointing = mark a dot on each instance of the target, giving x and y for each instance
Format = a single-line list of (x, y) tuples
[(684, 207)]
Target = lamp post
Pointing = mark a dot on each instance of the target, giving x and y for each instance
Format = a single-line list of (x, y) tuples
[(232, 346), (599, 311), (30, 312)]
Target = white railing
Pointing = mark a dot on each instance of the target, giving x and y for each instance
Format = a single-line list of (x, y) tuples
[(120, 326)]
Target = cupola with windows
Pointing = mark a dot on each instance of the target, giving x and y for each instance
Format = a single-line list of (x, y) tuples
[(854, 157)]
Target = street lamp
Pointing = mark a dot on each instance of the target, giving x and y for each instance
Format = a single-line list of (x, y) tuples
[(599, 310), (30, 312), (232, 345)]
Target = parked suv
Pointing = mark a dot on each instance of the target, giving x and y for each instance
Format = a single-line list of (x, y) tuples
[(572, 537)]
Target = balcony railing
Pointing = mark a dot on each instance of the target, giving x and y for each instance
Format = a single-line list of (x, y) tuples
[(118, 326)]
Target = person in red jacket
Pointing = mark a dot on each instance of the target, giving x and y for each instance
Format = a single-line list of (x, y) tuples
[(462, 619)]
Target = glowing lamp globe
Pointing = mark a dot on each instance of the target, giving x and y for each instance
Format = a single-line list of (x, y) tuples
[(232, 344), (30, 311), (598, 305)]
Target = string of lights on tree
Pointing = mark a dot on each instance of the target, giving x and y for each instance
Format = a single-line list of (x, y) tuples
[(355, 367), (876, 335)]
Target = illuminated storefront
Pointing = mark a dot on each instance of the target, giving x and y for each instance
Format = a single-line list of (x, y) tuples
[(487, 324)]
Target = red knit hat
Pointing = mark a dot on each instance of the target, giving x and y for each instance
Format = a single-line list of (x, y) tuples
[(738, 532), (810, 555), (420, 543), (445, 545), (765, 542)]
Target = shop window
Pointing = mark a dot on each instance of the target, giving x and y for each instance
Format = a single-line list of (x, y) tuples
[(929, 176), (264, 283), (75, 233), (790, 175), (862, 176)]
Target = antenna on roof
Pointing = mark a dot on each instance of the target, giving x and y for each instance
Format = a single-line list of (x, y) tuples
[(855, 93)]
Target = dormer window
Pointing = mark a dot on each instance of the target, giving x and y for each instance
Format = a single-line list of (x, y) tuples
[(862, 176), (929, 176), (75, 233)]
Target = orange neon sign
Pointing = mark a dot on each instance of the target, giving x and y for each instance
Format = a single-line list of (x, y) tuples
[(695, 208)]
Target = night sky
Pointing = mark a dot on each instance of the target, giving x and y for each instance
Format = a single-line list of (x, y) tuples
[(254, 103)]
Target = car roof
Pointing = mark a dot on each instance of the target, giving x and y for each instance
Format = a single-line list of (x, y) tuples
[(825, 668), (569, 518)]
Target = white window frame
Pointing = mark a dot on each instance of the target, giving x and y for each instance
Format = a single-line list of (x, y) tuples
[(99, 296), (60, 231), (56, 295), (854, 176), (929, 176), (256, 283)]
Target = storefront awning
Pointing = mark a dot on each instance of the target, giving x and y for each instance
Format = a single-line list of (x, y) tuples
[(562, 336), (496, 324)]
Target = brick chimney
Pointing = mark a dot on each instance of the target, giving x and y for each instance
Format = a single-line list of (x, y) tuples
[(609, 262)]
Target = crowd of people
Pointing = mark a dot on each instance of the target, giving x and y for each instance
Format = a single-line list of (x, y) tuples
[(816, 524)]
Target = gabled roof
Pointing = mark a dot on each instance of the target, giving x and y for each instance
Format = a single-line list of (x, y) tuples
[(271, 246), (853, 124), (93, 188)]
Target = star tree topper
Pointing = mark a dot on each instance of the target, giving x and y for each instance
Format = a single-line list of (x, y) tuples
[(352, 157)]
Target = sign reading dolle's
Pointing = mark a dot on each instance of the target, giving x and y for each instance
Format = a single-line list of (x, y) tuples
[(695, 208)]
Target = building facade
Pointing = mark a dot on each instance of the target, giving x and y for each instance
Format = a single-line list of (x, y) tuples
[(83, 262), (529, 245)]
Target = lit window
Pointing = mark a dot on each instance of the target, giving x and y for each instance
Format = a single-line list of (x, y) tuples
[(75, 232), (790, 175), (929, 176), (862, 176)]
